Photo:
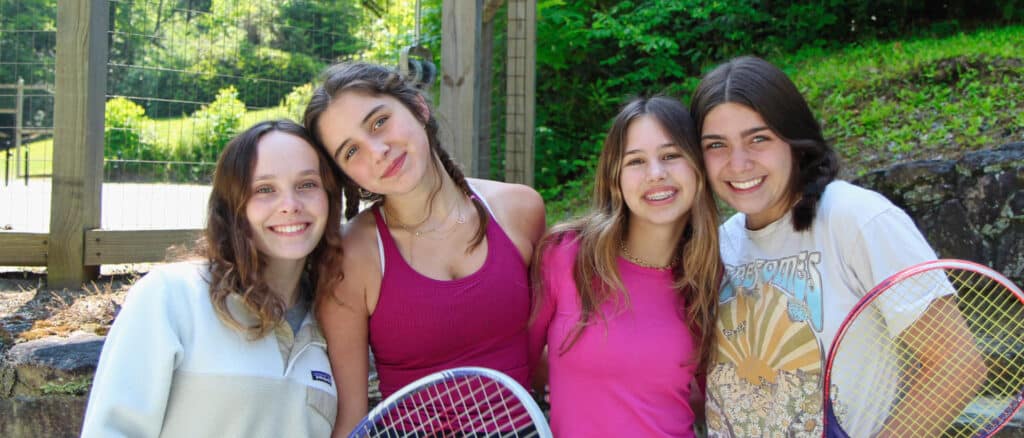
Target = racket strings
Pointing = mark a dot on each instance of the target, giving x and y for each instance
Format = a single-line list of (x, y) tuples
[(461, 406), (877, 369)]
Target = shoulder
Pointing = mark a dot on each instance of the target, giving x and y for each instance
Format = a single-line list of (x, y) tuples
[(181, 278), (560, 249), (515, 205), (359, 243), (848, 205), (508, 196)]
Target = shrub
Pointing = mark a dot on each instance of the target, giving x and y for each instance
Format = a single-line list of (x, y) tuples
[(214, 125), (127, 134), (294, 104)]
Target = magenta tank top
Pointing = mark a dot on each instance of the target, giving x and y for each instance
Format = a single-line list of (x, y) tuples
[(422, 325)]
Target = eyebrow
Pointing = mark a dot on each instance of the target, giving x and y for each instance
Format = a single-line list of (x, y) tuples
[(637, 151), (369, 115), (743, 133), (271, 176)]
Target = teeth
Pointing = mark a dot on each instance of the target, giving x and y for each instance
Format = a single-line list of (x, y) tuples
[(289, 228), (743, 185), (660, 196)]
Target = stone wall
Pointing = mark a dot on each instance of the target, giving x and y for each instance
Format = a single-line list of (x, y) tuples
[(971, 208)]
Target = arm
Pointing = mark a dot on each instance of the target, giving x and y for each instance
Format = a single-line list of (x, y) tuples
[(344, 318), (874, 259), (133, 378), (951, 341), (344, 322)]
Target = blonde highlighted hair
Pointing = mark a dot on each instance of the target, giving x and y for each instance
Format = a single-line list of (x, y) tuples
[(595, 272)]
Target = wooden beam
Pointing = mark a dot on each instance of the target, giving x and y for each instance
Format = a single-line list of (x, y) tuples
[(104, 247), (79, 92), (521, 86), (460, 89), (23, 249)]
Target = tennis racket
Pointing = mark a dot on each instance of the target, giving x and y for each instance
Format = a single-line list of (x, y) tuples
[(934, 350), (460, 402)]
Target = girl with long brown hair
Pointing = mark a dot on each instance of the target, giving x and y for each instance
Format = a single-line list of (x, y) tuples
[(626, 295), (439, 272), (226, 345)]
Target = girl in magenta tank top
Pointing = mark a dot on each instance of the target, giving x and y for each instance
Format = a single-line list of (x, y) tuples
[(626, 306), (436, 272)]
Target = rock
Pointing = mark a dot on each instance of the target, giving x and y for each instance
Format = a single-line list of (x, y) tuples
[(54, 416), (53, 361), (971, 208)]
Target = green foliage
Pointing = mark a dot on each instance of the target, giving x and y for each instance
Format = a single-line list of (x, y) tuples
[(214, 125), (127, 134), (294, 104), (880, 102), (75, 386), (592, 55)]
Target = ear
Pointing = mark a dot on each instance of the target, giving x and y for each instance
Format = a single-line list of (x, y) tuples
[(423, 108)]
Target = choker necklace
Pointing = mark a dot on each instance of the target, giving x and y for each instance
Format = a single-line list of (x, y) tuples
[(643, 263), (460, 219)]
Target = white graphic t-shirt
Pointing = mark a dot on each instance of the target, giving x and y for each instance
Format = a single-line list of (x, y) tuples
[(783, 298)]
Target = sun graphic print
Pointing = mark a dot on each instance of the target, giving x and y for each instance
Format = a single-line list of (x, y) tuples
[(766, 379)]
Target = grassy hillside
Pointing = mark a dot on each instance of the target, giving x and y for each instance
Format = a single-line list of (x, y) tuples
[(887, 102)]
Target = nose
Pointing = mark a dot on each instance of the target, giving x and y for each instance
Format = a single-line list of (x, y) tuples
[(656, 171), (739, 159), (290, 202), (380, 150)]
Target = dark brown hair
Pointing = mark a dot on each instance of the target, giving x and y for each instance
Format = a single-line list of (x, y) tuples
[(235, 264), (376, 80), (761, 86)]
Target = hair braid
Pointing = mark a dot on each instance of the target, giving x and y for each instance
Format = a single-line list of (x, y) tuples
[(455, 172)]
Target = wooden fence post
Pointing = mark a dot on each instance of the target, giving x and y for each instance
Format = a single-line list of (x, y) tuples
[(460, 88), (80, 90), (521, 89)]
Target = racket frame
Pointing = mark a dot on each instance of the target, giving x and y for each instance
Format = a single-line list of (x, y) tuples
[(537, 418), (870, 297)]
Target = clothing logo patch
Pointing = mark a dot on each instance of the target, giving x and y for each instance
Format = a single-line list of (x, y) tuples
[(321, 376)]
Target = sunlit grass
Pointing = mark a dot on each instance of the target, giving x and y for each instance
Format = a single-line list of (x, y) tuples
[(170, 133)]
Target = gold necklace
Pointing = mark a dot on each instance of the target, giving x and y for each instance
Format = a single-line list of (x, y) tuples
[(460, 219), (643, 263)]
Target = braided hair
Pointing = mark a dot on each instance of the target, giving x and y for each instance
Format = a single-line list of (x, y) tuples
[(377, 80), (764, 88)]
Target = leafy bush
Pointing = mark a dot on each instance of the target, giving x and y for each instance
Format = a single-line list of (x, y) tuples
[(295, 102), (127, 132), (214, 125)]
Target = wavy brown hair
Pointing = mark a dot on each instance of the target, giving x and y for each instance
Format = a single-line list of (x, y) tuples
[(764, 88), (235, 264), (599, 232), (376, 80)]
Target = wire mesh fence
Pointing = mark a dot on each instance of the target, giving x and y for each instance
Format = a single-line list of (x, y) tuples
[(183, 76)]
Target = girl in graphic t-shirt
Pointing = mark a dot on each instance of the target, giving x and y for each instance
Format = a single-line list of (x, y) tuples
[(800, 252), (626, 295)]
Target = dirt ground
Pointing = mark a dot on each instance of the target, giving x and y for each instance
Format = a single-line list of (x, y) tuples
[(28, 310)]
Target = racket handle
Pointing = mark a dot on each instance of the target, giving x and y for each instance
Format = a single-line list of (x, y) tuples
[(832, 429)]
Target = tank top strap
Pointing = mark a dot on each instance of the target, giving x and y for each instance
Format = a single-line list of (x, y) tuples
[(474, 195), (385, 241)]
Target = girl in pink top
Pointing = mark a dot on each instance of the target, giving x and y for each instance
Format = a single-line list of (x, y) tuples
[(436, 273), (626, 295)]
